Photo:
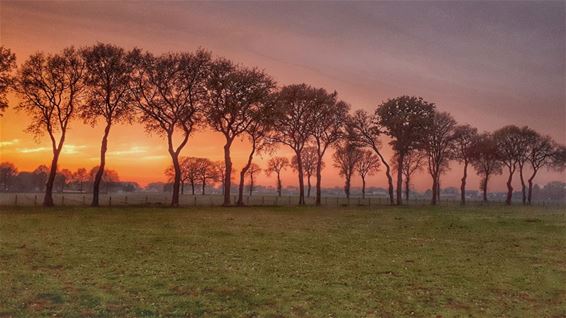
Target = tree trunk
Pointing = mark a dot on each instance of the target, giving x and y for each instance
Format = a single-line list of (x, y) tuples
[(243, 174), (347, 186), (318, 181), (177, 180), (530, 195), (400, 178), (363, 187), (523, 185), (407, 187), (387, 174), (182, 187), (48, 198), (438, 186), (434, 189), (485, 180), (510, 186), (251, 184), (203, 185), (100, 172), (301, 181), (227, 172), (463, 184), (279, 184), (308, 185), (193, 187)]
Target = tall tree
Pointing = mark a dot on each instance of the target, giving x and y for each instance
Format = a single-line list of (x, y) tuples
[(235, 95), (406, 119), (7, 65), (330, 116), (108, 79), (439, 148), (368, 132), (464, 138), (277, 165), (486, 160), (541, 152), (310, 159), (50, 87), (251, 172), (510, 146), (294, 128), (367, 166), (169, 92), (347, 155), (412, 163)]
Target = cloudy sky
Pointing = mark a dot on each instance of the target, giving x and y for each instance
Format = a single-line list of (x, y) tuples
[(488, 63)]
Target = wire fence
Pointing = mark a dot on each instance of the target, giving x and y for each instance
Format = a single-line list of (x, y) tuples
[(164, 199)]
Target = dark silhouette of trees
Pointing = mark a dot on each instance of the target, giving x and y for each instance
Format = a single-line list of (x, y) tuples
[(465, 137), (413, 162), (542, 151), (169, 92), (108, 177), (367, 132), (406, 119), (277, 165), (330, 116), (310, 157), (511, 147), (80, 176), (486, 160), (439, 148), (50, 87), (295, 126), (235, 97), (347, 155), (189, 172), (206, 171), (108, 97), (367, 165), (7, 65), (8, 172), (251, 172)]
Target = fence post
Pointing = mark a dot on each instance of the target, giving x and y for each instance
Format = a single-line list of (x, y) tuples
[(109, 200), (16, 200)]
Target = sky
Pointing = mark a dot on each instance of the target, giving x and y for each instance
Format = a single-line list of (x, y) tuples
[(489, 64)]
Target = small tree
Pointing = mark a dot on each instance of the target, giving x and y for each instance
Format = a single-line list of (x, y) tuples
[(368, 165), (542, 151), (347, 155), (368, 133), (277, 165), (7, 173), (50, 87), (80, 176), (169, 92), (206, 171), (310, 159), (7, 65), (511, 147), (486, 160), (465, 137), (406, 120), (108, 80), (189, 172), (252, 171)]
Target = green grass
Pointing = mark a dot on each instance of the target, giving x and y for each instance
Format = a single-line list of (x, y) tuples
[(283, 262)]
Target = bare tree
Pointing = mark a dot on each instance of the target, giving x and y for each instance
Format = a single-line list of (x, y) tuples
[(330, 116), (439, 148), (368, 132), (465, 137), (7, 65), (368, 165), (510, 146), (205, 172), (50, 86), (310, 159), (346, 157), (295, 126), (406, 119), (277, 165), (108, 74), (542, 151), (169, 91), (486, 160), (251, 172), (235, 95)]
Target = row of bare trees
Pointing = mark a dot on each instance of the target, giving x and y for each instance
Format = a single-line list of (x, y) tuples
[(174, 94)]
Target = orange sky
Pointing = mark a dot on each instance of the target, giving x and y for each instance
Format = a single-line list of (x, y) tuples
[(488, 76)]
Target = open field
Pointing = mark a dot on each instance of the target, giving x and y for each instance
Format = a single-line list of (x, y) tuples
[(283, 262)]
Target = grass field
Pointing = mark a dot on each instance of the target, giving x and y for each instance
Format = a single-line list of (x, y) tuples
[(283, 262)]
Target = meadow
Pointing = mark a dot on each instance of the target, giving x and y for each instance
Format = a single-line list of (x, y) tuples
[(417, 261)]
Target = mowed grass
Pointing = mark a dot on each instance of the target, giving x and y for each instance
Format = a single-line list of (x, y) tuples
[(283, 262)]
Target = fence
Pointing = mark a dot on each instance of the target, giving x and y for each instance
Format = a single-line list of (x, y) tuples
[(164, 199)]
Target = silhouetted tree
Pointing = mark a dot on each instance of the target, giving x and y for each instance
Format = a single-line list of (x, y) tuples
[(368, 132), (330, 116), (108, 97), (367, 166), (439, 148), (80, 176), (251, 172), (41, 174), (464, 138), (169, 91), (310, 157), (7, 65), (347, 155), (50, 87), (189, 172), (413, 162), (486, 160), (7, 173), (277, 165), (108, 177), (295, 127), (541, 153), (406, 119), (206, 171), (235, 95), (510, 146)]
